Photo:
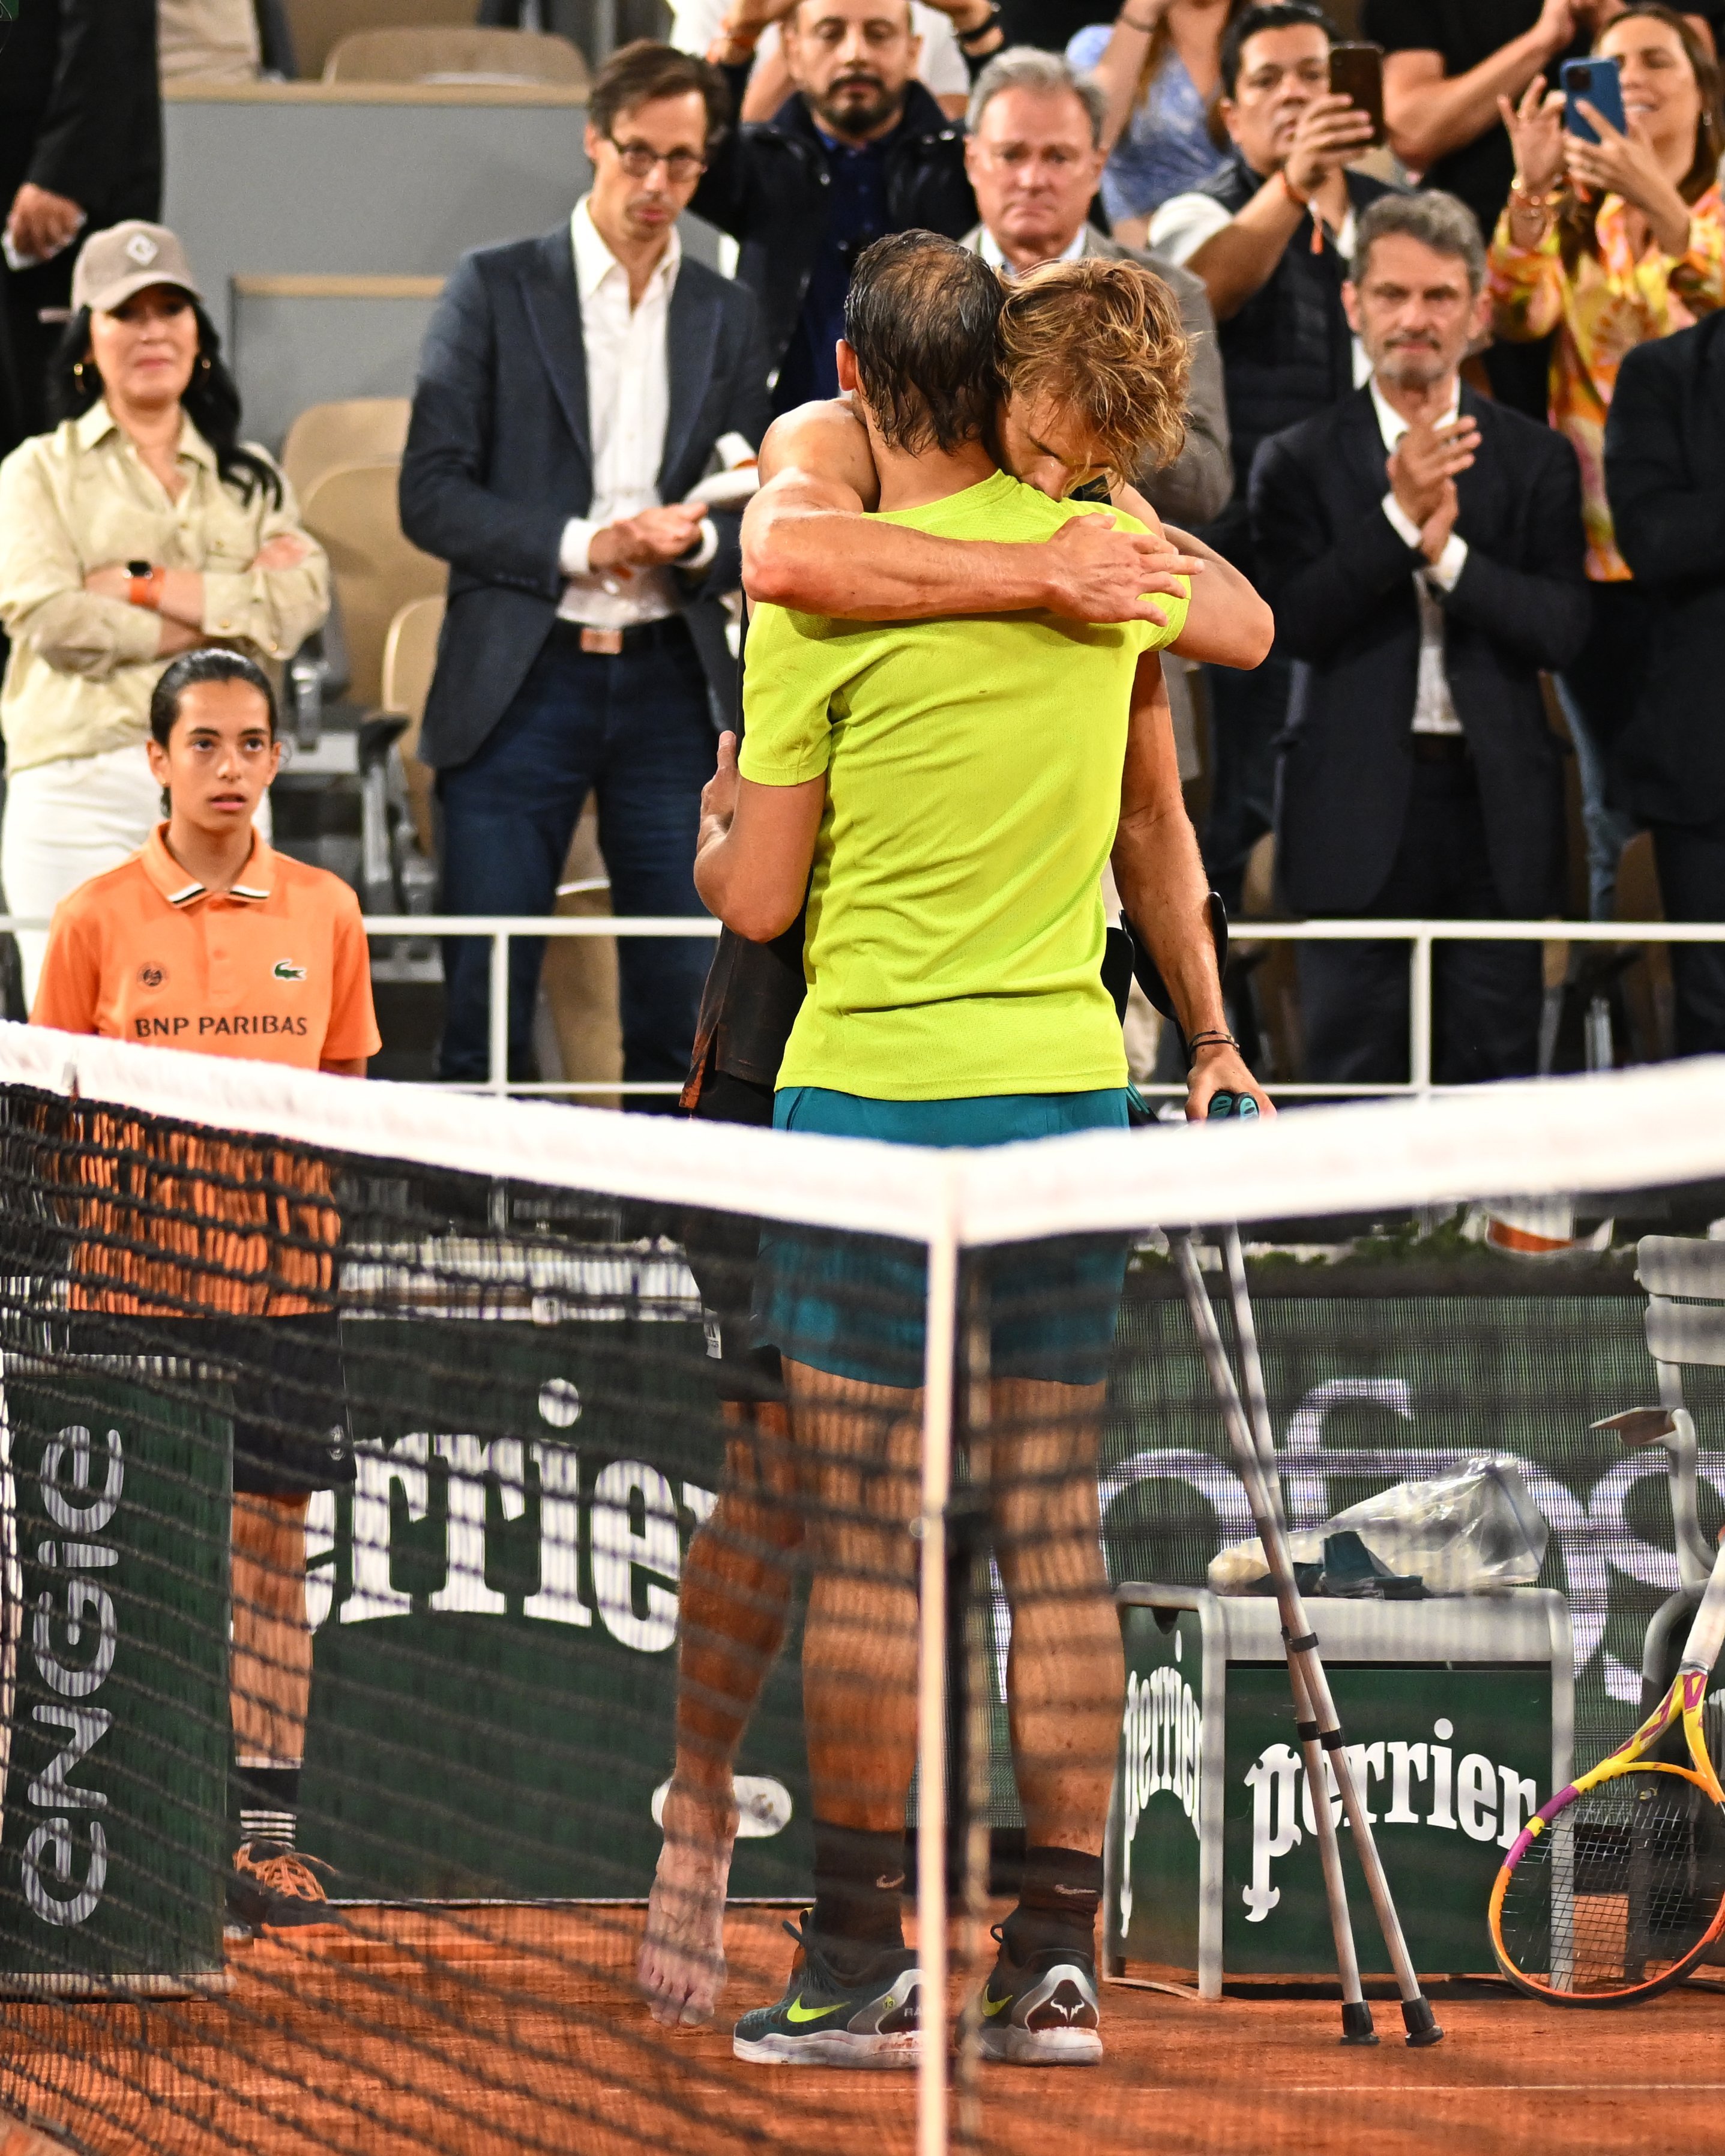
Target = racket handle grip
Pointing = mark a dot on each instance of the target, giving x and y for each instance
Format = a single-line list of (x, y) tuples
[(1240, 1106), (1706, 1636)]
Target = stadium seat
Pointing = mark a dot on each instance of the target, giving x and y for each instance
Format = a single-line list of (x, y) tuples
[(442, 53), (355, 430), (351, 511), (316, 26), (409, 660)]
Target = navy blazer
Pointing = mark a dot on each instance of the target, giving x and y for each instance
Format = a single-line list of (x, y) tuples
[(500, 457), (1665, 472), (1340, 582)]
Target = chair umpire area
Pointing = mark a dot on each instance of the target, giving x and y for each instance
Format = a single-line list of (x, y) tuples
[(446, 54), (1684, 1278)]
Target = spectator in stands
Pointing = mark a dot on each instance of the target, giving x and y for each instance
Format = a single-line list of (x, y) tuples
[(698, 25), (1421, 547), (140, 528), (80, 148), (207, 41), (1610, 243), (1665, 466), (571, 392), (1033, 155), (1271, 236), (861, 149), (1159, 63)]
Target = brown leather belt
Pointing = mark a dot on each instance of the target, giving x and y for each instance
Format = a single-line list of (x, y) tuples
[(612, 643), (1439, 748)]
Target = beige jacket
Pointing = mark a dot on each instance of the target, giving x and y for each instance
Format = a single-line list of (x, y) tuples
[(82, 668)]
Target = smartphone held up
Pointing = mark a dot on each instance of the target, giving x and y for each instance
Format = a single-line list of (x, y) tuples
[(1357, 72), (1598, 82)]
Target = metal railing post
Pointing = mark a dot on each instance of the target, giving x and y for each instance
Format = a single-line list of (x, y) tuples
[(498, 1081), (1419, 1015)]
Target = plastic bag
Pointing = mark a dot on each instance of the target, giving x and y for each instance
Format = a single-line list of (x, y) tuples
[(1474, 1530)]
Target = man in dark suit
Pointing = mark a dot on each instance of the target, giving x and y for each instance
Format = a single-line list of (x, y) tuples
[(80, 149), (1664, 471), (573, 391), (1422, 550)]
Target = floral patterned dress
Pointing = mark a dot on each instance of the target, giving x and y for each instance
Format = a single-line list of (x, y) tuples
[(1612, 301)]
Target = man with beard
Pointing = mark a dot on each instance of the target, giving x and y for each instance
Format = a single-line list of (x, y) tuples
[(860, 151), (1422, 548)]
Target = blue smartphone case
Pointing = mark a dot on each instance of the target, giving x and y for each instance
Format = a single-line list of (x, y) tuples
[(1600, 82)]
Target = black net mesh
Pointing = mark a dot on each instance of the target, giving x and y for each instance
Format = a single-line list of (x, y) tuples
[(403, 1562)]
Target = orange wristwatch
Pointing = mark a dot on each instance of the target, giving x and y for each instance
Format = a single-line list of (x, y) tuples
[(147, 583)]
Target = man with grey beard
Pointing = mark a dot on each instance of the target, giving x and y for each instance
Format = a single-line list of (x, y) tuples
[(1421, 547)]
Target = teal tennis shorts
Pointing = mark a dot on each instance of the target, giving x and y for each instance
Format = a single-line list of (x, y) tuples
[(854, 1305)]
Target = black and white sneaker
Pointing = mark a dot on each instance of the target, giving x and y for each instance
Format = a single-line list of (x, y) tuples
[(1042, 2011), (872, 2021)]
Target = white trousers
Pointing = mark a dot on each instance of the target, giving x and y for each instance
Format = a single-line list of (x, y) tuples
[(68, 821)]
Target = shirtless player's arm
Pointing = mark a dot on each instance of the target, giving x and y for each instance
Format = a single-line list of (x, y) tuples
[(804, 544)]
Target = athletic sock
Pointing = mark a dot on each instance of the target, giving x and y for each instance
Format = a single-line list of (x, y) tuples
[(859, 1893), (269, 1798), (1059, 1896)]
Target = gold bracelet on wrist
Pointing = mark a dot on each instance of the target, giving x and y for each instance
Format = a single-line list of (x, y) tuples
[(1548, 201)]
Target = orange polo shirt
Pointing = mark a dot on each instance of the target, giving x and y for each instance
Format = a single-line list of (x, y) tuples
[(191, 1223), (276, 969)]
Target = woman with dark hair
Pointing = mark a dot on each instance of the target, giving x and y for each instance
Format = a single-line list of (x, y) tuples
[(138, 529), (1159, 63), (206, 939), (1611, 243)]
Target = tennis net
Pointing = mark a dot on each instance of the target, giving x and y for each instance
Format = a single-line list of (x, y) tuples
[(359, 1444)]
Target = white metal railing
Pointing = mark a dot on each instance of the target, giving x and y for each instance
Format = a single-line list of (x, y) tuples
[(1421, 937)]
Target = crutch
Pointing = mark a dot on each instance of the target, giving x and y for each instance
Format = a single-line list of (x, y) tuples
[(1315, 1710)]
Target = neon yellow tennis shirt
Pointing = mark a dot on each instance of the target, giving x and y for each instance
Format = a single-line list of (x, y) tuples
[(954, 943)]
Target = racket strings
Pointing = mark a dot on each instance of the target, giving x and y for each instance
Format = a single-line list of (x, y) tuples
[(1620, 1891)]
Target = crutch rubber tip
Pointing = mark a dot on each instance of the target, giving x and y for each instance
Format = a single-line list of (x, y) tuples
[(1356, 2023), (1421, 2022)]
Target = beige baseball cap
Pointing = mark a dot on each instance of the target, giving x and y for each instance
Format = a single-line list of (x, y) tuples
[(126, 258)]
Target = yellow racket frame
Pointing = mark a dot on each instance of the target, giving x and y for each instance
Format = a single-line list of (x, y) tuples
[(1682, 1702)]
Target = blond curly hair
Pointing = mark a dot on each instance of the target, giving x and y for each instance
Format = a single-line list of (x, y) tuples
[(1102, 339)]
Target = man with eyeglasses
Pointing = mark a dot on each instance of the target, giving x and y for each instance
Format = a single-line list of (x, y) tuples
[(573, 393), (862, 150), (1271, 236)]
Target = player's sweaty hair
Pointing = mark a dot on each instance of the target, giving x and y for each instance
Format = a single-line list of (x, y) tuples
[(1103, 341), (923, 317)]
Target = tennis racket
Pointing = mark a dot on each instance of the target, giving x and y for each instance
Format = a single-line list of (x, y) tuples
[(1614, 1890)]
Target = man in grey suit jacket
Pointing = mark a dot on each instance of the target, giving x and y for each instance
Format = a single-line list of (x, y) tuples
[(1034, 155), (573, 391)]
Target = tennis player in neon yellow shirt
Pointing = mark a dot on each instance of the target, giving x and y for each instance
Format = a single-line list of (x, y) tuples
[(949, 792)]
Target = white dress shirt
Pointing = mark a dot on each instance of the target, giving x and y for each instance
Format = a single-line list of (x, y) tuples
[(1434, 707), (989, 248), (628, 405)]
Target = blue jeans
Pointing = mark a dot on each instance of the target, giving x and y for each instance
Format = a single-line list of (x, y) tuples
[(637, 730)]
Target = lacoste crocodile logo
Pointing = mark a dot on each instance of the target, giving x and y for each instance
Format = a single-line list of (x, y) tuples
[(797, 2012), (284, 969)]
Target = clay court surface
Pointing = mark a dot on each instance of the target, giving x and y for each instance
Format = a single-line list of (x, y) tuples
[(514, 2030)]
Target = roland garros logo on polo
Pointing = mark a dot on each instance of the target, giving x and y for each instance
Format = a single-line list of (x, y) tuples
[(152, 976)]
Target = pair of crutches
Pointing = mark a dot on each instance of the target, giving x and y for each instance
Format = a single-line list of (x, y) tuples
[(1315, 1720)]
